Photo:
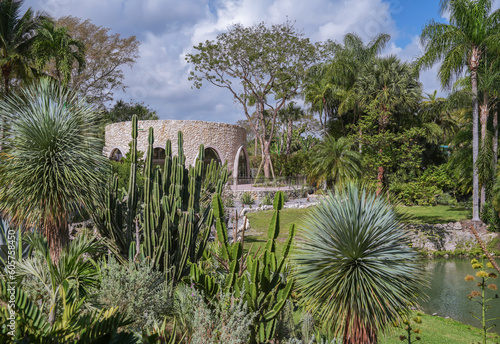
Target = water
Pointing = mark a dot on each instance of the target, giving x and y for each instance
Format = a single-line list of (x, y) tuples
[(448, 292)]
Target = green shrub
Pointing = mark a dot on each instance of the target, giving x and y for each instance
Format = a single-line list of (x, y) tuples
[(246, 198), (266, 200), (225, 320), (137, 289), (446, 199)]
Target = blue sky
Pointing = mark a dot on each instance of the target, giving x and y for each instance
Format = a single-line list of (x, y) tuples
[(168, 29)]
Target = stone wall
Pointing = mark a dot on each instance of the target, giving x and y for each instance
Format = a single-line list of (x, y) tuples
[(226, 139), (446, 237)]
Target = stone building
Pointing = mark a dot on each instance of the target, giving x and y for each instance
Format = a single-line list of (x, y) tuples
[(223, 142)]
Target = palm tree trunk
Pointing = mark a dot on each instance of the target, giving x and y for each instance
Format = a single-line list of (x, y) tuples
[(495, 140), (475, 141), (484, 120)]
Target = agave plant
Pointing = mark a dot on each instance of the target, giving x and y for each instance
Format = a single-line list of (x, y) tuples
[(355, 269)]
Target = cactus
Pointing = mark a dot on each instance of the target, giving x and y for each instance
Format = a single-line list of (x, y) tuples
[(261, 278), (173, 217)]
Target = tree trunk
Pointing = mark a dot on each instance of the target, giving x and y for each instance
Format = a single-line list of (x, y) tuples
[(57, 234), (267, 160), (495, 140), (288, 149), (475, 141), (356, 332), (484, 120)]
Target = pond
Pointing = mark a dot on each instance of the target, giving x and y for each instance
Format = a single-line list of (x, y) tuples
[(448, 292)]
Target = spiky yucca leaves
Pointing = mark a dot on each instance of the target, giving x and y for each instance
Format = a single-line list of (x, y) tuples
[(354, 266), (51, 160)]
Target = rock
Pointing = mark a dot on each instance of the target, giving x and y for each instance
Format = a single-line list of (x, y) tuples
[(457, 226), (434, 314)]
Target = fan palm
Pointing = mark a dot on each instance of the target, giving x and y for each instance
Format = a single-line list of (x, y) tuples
[(473, 27), (335, 161), (385, 87), (52, 162), (355, 268)]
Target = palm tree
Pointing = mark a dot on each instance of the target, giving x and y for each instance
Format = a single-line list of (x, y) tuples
[(335, 161), (438, 118), (355, 268), (473, 27), (52, 162), (385, 87), (54, 44), (289, 114), (17, 34)]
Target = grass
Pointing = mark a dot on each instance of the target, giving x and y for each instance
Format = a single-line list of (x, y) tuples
[(437, 330), (435, 214), (259, 221)]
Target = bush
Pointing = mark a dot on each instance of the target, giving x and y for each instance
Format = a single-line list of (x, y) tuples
[(266, 200), (489, 216), (225, 320), (136, 289), (446, 199), (246, 198), (415, 193)]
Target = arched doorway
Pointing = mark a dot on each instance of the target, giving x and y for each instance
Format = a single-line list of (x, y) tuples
[(211, 154), (241, 170), (116, 155), (158, 156)]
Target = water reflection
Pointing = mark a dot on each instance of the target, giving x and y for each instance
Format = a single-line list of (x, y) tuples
[(448, 292)]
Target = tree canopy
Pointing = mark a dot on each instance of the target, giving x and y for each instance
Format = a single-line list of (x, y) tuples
[(261, 66)]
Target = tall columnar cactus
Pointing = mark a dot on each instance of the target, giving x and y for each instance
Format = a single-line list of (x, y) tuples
[(173, 218), (260, 278)]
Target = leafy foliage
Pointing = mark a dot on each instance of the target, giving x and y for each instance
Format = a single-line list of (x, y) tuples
[(136, 289)]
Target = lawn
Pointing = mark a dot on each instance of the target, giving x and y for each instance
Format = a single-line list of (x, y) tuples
[(259, 221), (437, 330), (435, 214)]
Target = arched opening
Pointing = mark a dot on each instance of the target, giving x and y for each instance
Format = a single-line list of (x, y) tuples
[(158, 156), (211, 154), (116, 155), (241, 169)]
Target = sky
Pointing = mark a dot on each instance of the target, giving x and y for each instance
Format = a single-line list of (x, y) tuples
[(168, 29)]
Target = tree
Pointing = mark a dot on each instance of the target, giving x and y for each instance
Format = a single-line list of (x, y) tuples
[(385, 87), (57, 51), (335, 161), (354, 265), (52, 162), (262, 67), (122, 112), (289, 114), (17, 34), (473, 27), (105, 56)]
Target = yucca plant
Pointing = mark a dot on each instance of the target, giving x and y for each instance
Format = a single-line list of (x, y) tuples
[(51, 159), (355, 268)]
